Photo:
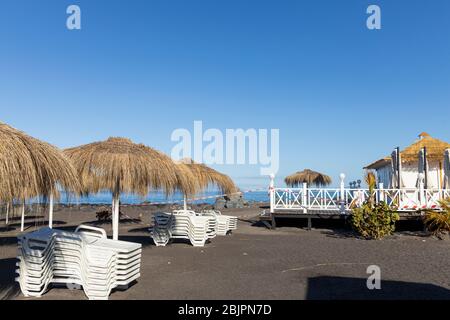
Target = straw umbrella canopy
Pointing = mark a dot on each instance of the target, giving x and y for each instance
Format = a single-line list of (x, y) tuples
[(30, 168), (435, 150), (121, 166), (205, 176), (307, 176)]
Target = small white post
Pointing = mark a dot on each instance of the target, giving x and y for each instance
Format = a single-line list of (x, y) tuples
[(113, 210), (272, 193), (112, 206), (342, 177), (381, 187), (113, 213), (50, 211), (7, 213), (22, 222), (305, 197), (116, 218), (185, 203)]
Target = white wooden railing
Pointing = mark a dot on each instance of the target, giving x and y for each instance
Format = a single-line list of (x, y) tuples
[(344, 199), (332, 199)]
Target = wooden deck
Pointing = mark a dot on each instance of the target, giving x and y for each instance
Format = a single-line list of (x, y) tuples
[(338, 203), (270, 220)]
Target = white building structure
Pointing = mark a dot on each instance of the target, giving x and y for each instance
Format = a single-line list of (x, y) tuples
[(413, 163)]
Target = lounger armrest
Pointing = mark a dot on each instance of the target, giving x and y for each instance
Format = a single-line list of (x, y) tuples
[(90, 229)]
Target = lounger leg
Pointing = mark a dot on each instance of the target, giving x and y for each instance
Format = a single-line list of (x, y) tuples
[(122, 287)]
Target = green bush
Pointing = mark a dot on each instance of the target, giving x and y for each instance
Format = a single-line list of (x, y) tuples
[(374, 221)]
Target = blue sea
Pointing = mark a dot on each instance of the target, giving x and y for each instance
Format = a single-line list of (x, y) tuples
[(257, 185), (253, 190), (106, 198)]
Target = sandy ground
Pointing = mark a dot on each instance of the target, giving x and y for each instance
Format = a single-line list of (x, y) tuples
[(257, 263)]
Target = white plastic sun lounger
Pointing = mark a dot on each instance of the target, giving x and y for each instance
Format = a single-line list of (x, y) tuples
[(187, 224), (182, 225), (84, 257), (211, 221), (225, 224)]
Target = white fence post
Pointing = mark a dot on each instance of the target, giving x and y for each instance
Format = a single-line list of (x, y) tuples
[(342, 176), (381, 187), (305, 196), (272, 193)]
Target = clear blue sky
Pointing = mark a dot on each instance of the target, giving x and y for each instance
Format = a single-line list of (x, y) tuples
[(341, 95)]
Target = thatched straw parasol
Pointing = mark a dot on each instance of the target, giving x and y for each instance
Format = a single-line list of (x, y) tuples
[(119, 165), (307, 176), (30, 168), (205, 176), (435, 150)]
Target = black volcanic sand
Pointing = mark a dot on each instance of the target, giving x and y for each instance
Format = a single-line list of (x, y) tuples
[(256, 263)]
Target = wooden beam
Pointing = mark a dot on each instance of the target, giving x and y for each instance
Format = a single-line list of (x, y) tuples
[(274, 224), (268, 226)]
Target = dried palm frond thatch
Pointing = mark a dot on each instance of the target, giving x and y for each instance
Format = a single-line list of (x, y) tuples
[(435, 148), (119, 165), (435, 151), (205, 176), (309, 176), (30, 167)]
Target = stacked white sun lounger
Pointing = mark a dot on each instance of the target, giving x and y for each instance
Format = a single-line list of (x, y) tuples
[(225, 224), (186, 224), (161, 231), (182, 225), (212, 222), (85, 258)]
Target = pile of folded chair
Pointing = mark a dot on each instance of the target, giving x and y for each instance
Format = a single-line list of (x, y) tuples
[(198, 228), (225, 224), (85, 258)]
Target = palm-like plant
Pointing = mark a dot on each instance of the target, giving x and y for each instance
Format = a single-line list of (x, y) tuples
[(438, 222), (371, 182), (373, 220)]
